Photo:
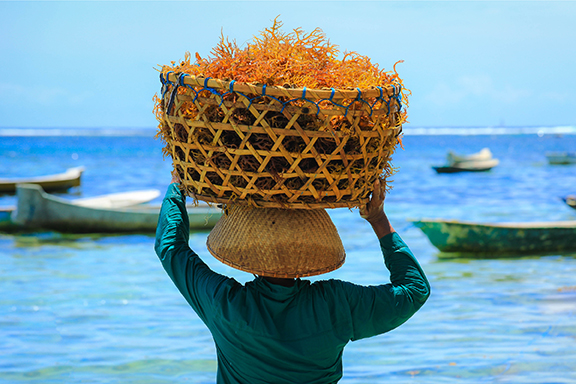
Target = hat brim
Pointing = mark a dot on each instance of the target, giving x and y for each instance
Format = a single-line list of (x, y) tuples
[(277, 242)]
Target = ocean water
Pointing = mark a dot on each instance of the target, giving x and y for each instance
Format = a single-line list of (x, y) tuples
[(100, 308)]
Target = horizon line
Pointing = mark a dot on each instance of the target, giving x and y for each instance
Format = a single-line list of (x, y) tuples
[(408, 131)]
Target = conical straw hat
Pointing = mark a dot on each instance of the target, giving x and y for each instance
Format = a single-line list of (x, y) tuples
[(277, 242)]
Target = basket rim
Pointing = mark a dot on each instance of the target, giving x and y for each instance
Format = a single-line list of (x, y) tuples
[(257, 203), (390, 90)]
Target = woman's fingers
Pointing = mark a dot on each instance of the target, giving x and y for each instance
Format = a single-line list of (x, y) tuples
[(376, 202)]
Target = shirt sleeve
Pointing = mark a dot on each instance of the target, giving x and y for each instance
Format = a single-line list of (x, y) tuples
[(379, 309), (193, 278)]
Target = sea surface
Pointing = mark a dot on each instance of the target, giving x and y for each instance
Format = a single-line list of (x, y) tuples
[(100, 308)]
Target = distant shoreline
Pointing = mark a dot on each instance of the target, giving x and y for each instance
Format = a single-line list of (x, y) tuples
[(67, 131), (499, 130), (408, 131)]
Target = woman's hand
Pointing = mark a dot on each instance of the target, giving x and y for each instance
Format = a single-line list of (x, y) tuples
[(375, 207), (373, 212)]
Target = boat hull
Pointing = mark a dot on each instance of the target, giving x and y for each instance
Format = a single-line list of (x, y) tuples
[(456, 236), (561, 158), (51, 183), (39, 210), (450, 169), (570, 200), (468, 166)]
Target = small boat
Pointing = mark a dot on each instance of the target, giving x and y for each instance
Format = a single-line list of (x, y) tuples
[(468, 166), (570, 200), (500, 238), (37, 209), (113, 200), (561, 158), (50, 183), (484, 154), (477, 162)]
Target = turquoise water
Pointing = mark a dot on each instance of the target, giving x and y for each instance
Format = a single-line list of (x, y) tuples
[(100, 309)]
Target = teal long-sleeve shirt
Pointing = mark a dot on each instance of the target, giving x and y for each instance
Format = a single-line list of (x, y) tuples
[(267, 333)]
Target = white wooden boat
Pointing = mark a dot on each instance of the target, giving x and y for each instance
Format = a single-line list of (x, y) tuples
[(50, 183), (468, 166), (561, 158), (477, 162), (484, 154), (39, 210)]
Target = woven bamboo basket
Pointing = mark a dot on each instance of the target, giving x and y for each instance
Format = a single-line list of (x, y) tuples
[(277, 147)]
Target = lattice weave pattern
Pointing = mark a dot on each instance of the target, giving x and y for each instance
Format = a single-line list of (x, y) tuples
[(278, 147)]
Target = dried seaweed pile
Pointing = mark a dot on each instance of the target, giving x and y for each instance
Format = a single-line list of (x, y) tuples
[(294, 148)]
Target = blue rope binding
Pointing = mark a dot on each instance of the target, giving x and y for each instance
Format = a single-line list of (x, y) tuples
[(166, 83)]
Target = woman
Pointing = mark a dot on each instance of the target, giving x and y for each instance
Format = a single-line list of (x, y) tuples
[(273, 330)]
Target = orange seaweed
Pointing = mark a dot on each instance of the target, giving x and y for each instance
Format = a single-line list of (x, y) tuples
[(296, 59)]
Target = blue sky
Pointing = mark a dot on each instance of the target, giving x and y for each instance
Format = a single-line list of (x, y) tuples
[(482, 63)]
